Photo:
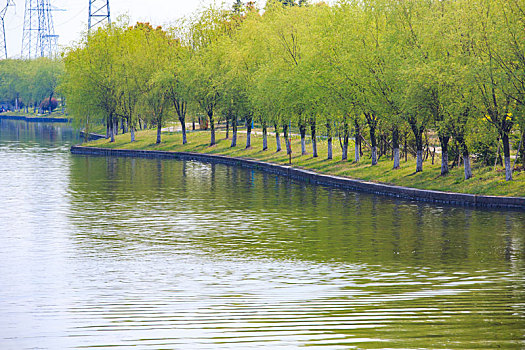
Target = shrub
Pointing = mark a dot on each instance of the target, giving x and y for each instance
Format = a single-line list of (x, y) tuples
[(45, 104)]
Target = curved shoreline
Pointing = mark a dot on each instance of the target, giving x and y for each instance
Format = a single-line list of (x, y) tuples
[(309, 176), (35, 119), (91, 136)]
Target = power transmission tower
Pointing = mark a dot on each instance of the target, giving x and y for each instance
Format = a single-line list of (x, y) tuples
[(98, 13), (3, 43), (39, 39)]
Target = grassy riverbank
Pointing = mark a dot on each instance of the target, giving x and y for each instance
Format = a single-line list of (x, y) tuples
[(486, 181)]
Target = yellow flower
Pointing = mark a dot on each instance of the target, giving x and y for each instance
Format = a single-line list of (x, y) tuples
[(509, 114), (487, 117), (508, 118)]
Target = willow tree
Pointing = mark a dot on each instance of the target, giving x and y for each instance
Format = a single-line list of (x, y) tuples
[(240, 59), (203, 74), (29, 82), (45, 75), (262, 54), (488, 74), (12, 82), (137, 62), (76, 87), (266, 96), (284, 29), (90, 82), (337, 33), (511, 58), (179, 93), (407, 21), (155, 103), (175, 58), (156, 98), (381, 62)]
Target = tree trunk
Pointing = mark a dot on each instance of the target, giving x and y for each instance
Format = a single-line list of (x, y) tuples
[(444, 154), (344, 155), (372, 124), (182, 121), (159, 131), (374, 155), (506, 153), (419, 151), (50, 97), (108, 129), (111, 128), (497, 155), (265, 136), (302, 130), (406, 147), (373, 141), (395, 146), (419, 161), (523, 148), (212, 127), (288, 143), (132, 134), (248, 132), (86, 130), (123, 125), (329, 132), (418, 135), (277, 138), (193, 125), (314, 140), (444, 162), (234, 132), (227, 128), (357, 137), (466, 165)]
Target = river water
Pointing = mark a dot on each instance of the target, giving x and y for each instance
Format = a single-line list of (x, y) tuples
[(164, 254)]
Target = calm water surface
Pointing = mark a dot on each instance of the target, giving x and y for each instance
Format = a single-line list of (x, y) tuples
[(149, 254)]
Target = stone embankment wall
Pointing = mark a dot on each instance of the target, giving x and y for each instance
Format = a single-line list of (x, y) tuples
[(91, 136), (35, 119), (322, 179)]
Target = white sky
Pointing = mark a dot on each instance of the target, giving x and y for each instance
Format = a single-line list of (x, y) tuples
[(70, 23)]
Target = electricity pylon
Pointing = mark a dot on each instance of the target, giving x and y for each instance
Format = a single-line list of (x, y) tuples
[(98, 13), (3, 43), (39, 39)]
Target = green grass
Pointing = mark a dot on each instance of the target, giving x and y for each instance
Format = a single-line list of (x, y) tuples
[(486, 181)]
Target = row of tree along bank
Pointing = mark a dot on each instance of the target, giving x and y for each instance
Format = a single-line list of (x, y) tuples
[(29, 84), (389, 74)]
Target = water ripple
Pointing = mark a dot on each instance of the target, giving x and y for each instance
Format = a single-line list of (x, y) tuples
[(110, 252)]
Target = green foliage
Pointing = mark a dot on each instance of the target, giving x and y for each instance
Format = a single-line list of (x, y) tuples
[(29, 81), (482, 141), (389, 70)]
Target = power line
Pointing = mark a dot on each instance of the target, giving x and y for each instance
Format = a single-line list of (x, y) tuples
[(72, 18)]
